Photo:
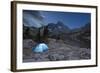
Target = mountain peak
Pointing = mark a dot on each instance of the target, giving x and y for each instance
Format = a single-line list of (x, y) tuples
[(60, 22)]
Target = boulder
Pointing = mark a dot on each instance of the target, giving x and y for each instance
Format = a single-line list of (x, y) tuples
[(28, 43), (56, 57)]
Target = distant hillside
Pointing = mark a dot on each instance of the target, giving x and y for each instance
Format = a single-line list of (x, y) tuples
[(79, 36), (82, 35)]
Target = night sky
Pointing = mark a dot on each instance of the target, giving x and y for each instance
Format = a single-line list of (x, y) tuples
[(70, 19)]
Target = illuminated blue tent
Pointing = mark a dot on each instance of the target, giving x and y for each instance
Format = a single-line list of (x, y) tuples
[(40, 48)]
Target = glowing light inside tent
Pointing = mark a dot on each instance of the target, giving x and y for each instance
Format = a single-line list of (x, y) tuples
[(40, 48)]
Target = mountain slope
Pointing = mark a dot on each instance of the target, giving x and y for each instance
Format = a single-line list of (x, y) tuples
[(56, 30)]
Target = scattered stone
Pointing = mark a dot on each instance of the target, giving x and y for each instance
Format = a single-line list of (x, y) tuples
[(58, 50), (73, 55), (28, 43), (56, 57), (85, 53)]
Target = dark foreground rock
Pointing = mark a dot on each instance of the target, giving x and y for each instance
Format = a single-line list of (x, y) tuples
[(58, 51)]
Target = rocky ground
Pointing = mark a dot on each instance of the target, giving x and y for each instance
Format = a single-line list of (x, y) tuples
[(58, 50)]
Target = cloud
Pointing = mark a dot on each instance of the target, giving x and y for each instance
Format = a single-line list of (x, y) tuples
[(33, 19)]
